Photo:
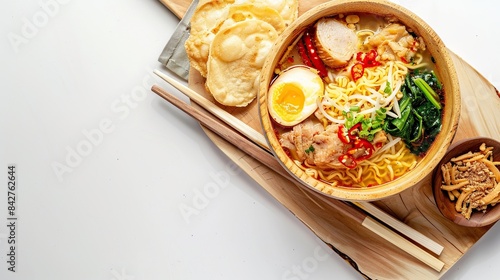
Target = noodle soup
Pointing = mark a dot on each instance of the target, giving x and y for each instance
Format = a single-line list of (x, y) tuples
[(356, 101)]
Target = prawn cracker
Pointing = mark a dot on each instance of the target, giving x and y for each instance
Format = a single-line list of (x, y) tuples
[(237, 55)]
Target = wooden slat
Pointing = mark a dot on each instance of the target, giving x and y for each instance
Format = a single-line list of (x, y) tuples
[(178, 7)]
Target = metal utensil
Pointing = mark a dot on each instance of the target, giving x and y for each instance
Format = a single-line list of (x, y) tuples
[(174, 55)]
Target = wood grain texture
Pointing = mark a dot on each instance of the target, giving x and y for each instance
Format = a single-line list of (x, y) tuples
[(178, 7), (372, 256)]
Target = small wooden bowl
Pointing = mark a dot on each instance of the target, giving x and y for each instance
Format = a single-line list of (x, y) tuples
[(445, 205), (446, 72)]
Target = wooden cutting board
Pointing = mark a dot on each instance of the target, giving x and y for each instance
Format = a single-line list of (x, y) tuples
[(371, 255)]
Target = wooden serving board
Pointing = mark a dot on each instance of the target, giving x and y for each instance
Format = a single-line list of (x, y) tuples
[(370, 255)]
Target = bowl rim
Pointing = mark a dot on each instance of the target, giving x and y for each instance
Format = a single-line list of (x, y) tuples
[(438, 148)]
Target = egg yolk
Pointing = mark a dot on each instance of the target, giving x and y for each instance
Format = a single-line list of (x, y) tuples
[(288, 101)]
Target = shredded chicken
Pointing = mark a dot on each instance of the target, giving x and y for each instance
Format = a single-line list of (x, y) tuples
[(379, 139), (315, 145), (394, 41), (328, 148)]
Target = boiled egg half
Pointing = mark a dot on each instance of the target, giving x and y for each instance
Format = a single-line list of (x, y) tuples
[(293, 94)]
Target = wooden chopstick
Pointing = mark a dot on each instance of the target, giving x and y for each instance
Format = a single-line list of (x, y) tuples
[(402, 228), (235, 123), (259, 139), (267, 159)]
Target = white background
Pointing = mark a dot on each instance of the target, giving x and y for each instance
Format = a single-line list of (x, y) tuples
[(82, 66)]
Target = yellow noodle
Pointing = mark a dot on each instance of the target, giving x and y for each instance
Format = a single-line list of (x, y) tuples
[(351, 176), (376, 171), (374, 77)]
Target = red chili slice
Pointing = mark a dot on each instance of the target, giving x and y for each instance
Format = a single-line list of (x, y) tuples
[(353, 132), (303, 53), (370, 59), (348, 161), (359, 56), (359, 154), (357, 71), (313, 54), (362, 150), (370, 56), (343, 134), (363, 143)]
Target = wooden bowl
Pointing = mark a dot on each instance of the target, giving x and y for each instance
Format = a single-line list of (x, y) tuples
[(443, 202), (445, 71)]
